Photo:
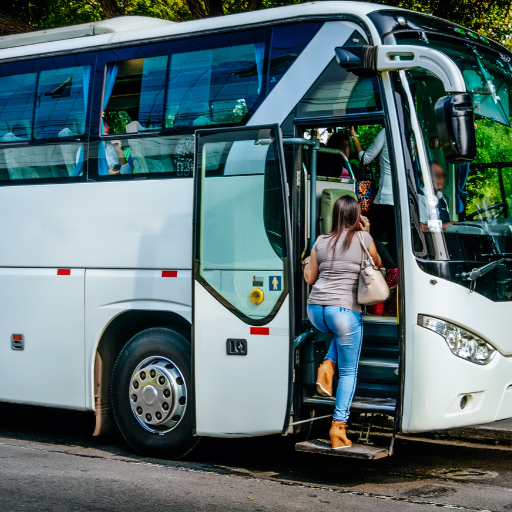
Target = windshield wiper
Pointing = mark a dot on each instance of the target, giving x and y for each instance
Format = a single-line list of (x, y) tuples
[(479, 272)]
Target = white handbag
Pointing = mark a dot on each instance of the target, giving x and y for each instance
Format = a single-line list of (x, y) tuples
[(372, 285)]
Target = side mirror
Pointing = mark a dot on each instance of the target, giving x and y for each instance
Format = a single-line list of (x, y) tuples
[(456, 128), (360, 60)]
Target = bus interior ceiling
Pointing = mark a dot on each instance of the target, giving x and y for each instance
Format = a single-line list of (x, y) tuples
[(339, 172)]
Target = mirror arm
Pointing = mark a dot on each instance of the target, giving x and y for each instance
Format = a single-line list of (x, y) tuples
[(434, 61)]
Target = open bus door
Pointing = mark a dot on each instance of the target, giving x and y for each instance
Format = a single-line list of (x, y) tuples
[(242, 291), (384, 334)]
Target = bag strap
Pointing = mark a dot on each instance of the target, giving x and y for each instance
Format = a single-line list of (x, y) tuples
[(365, 250)]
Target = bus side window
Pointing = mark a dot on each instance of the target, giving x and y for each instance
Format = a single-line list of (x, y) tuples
[(17, 93), (42, 114), (133, 102), (61, 102), (133, 95), (220, 83)]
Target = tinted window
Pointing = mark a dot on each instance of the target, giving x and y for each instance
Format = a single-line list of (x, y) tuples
[(215, 86), (338, 92), (42, 114), (42, 161), (17, 94), (134, 95), (288, 41), (61, 102), (170, 154)]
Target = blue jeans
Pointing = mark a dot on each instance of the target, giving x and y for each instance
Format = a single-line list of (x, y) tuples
[(345, 349)]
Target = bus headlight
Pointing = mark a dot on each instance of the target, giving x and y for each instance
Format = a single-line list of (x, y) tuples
[(462, 343)]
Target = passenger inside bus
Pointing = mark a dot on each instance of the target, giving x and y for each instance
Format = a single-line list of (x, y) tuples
[(334, 159), (116, 159), (382, 213), (442, 211)]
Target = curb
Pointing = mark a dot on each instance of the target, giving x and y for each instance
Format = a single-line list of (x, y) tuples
[(498, 431)]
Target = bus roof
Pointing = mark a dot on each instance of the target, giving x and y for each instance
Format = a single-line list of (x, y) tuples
[(138, 28), (94, 28)]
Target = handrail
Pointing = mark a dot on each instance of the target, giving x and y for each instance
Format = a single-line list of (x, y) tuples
[(315, 145)]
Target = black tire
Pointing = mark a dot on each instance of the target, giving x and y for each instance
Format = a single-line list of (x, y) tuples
[(166, 343)]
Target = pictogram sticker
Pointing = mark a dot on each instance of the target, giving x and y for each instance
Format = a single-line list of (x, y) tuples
[(274, 283)]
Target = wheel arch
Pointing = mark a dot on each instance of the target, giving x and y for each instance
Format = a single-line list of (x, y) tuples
[(114, 337)]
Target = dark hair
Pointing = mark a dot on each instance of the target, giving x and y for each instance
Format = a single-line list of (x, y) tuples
[(336, 139), (346, 215)]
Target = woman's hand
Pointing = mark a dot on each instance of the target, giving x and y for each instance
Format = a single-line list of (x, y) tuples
[(310, 268), (365, 224), (352, 131)]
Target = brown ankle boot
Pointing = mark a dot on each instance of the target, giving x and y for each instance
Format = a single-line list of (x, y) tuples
[(324, 378), (338, 435)]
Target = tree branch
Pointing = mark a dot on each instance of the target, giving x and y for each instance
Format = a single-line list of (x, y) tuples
[(196, 9), (253, 5), (11, 26), (214, 7), (110, 8)]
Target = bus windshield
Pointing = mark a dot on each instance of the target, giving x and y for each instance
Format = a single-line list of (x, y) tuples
[(471, 222)]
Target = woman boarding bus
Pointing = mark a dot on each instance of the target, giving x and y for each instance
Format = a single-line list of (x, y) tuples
[(144, 290)]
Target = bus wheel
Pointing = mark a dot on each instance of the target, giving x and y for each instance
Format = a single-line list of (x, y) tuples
[(151, 394)]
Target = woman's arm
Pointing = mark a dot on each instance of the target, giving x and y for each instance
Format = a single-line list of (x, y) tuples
[(355, 140), (375, 255), (310, 268)]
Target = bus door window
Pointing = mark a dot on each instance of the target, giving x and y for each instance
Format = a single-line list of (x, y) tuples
[(242, 246)]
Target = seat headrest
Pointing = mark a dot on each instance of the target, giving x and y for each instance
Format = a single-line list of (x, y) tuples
[(329, 197), (133, 127)]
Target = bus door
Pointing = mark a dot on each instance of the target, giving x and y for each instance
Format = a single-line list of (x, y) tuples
[(242, 287)]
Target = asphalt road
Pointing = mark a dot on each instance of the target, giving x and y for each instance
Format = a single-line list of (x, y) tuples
[(49, 462)]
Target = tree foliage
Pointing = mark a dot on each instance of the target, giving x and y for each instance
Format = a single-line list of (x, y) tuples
[(18, 16), (492, 18), (494, 144)]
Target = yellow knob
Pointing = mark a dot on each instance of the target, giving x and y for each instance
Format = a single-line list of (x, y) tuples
[(257, 296)]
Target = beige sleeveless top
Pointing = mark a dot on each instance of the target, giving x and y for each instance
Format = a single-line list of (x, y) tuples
[(339, 272)]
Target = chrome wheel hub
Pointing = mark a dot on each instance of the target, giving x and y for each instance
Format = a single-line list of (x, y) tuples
[(158, 394)]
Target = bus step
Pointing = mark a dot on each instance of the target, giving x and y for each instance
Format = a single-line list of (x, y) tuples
[(356, 451), (359, 404)]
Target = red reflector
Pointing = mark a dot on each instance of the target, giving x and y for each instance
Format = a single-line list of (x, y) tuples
[(169, 273), (17, 337), (63, 271), (260, 330)]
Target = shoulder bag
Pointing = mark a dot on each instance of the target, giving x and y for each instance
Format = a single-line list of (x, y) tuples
[(372, 285)]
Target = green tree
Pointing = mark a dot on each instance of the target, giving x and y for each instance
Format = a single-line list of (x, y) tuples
[(492, 18)]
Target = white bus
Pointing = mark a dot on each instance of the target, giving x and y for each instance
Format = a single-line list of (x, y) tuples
[(156, 204)]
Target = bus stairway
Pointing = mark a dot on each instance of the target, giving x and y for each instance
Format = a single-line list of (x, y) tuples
[(377, 379), (376, 389)]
